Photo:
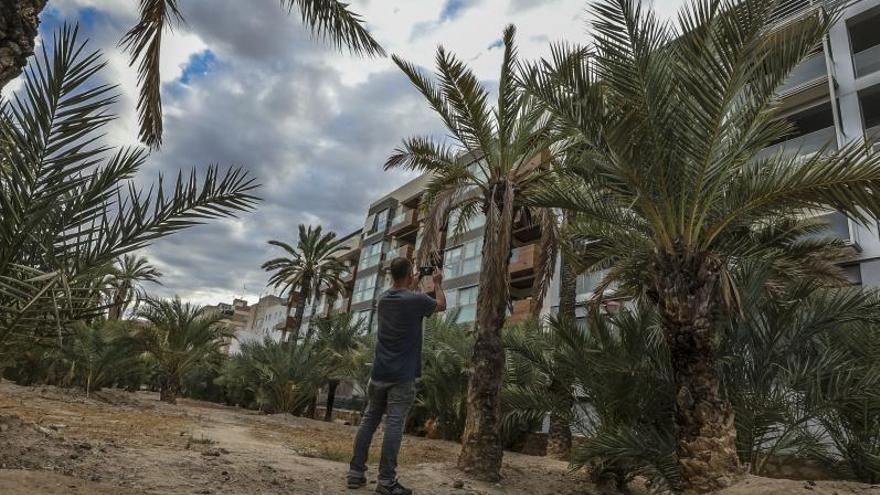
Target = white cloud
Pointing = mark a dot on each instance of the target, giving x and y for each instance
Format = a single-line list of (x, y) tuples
[(312, 124)]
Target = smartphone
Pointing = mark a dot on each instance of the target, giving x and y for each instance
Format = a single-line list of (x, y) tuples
[(425, 271)]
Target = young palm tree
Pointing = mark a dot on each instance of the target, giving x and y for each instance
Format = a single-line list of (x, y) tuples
[(506, 141), (275, 376), (670, 191), (447, 354), (124, 282), (68, 208), (308, 269), (338, 340), (99, 354), (179, 337), (327, 19)]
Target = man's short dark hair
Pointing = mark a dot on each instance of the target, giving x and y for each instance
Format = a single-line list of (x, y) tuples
[(400, 268)]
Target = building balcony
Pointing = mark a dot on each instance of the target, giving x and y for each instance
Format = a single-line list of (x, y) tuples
[(521, 309), (867, 61), (809, 73), (805, 145), (405, 222), (404, 251), (838, 228), (523, 260)]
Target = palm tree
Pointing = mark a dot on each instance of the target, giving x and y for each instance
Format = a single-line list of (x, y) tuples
[(68, 208), (669, 190), (306, 271), (507, 143), (338, 340), (327, 19), (447, 354), (124, 282), (100, 354), (276, 376), (179, 337)]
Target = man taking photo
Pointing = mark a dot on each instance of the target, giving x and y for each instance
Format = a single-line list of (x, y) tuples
[(397, 364)]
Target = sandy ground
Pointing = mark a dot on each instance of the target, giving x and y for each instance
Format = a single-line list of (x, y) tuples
[(54, 441)]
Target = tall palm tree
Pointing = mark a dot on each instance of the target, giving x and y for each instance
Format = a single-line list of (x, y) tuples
[(670, 192), (124, 282), (506, 141), (327, 19), (307, 270), (338, 340), (68, 208), (179, 337)]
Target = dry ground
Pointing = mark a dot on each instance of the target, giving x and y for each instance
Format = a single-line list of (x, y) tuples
[(54, 441)]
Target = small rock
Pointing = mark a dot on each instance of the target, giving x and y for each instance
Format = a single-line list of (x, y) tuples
[(43, 430), (83, 445), (74, 456), (458, 484), (95, 477), (225, 473), (57, 427), (3, 427), (211, 453)]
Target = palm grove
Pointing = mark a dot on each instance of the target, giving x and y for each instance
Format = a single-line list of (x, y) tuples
[(639, 158)]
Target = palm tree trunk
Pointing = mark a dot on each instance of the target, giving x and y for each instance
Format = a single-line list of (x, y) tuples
[(169, 388), (331, 398), (118, 305), (299, 312), (19, 23), (310, 328), (559, 433), (481, 449), (567, 290), (685, 285)]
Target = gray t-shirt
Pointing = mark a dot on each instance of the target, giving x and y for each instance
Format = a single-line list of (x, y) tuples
[(399, 348)]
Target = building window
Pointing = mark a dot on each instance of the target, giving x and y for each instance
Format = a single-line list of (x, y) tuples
[(377, 222), (812, 129), (463, 260), (465, 301), (869, 101), (864, 38), (474, 223), (364, 288), (371, 255), (587, 282)]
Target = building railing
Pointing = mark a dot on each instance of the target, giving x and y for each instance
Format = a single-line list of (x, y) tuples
[(523, 259), (867, 61), (804, 145), (812, 69), (521, 309)]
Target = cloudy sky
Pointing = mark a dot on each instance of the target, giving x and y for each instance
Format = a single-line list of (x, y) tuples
[(244, 84)]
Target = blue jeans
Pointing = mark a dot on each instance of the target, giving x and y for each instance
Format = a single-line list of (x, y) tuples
[(392, 400)]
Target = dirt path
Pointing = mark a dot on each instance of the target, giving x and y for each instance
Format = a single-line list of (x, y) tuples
[(115, 442), (54, 441)]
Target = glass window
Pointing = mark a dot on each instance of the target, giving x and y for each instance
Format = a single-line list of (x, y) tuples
[(364, 288), (587, 282), (465, 301), (464, 259), (371, 255), (864, 39), (474, 223)]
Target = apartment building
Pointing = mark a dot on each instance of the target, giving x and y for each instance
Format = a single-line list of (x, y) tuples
[(252, 323), (833, 98)]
